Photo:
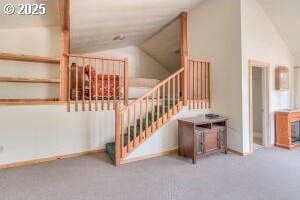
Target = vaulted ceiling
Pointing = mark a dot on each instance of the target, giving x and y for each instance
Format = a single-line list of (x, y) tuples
[(51, 18), (285, 16), (165, 46), (94, 23)]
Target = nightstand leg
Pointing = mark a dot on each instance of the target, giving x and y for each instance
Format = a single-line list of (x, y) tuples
[(194, 160)]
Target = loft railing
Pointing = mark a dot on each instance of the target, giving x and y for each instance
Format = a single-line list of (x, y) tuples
[(98, 82), (198, 84)]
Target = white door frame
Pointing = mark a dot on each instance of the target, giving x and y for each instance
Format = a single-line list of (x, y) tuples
[(253, 63)]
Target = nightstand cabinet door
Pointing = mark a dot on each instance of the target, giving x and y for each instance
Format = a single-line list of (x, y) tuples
[(211, 140), (199, 140), (222, 136)]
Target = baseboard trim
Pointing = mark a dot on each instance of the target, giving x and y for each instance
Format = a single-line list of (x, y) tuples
[(239, 153), (41, 160), (149, 156)]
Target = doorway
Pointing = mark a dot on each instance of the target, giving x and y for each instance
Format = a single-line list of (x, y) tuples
[(259, 105)]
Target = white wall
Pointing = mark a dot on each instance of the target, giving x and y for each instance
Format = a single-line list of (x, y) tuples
[(166, 138), (41, 41), (214, 33), (34, 132), (261, 41), (140, 64)]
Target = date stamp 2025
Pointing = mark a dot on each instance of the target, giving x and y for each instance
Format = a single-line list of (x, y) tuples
[(25, 9)]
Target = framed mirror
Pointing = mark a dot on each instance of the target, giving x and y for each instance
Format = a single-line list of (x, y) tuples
[(282, 78)]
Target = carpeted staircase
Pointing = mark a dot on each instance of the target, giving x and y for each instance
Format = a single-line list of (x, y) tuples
[(110, 147)]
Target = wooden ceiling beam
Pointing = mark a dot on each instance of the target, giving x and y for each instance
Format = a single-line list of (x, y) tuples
[(64, 13)]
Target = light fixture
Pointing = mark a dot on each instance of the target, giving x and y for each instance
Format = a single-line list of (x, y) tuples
[(119, 37), (177, 51)]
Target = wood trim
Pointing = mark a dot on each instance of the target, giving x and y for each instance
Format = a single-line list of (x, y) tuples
[(64, 13), (64, 10), (97, 58), (184, 54), (41, 160), (126, 81), (125, 161), (28, 80), (238, 153), (255, 63), (29, 58), (21, 102), (118, 133)]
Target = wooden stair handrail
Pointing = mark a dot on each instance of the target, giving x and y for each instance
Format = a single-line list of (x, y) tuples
[(154, 88)]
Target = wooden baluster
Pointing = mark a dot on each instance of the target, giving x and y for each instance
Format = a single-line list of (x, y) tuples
[(209, 89), (194, 85), (178, 90), (174, 95), (126, 81), (168, 99), (203, 84), (157, 109), (134, 128), (119, 84), (206, 85), (83, 85), (69, 86), (188, 84), (163, 102), (158, 99), (114, 74), (141, 122), (96, 80), (147, 115), (128, 131), (118, 134), (90, 85), (108, 85), (102, 85), (76, 85), (122, 133), (153, 120), (198, 85)]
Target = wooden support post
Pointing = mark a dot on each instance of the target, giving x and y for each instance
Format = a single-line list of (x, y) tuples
[(64, 10), (126, 81), (118, 133), (64, 79), (184, 53)]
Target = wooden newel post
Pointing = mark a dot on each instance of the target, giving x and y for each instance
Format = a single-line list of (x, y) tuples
[(184, 53), (126, 81), (118, 133)]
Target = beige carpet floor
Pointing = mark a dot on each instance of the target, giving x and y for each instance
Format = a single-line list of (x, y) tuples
[(270, 173)]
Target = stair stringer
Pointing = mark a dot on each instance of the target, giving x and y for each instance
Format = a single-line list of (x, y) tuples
[(164, 139)]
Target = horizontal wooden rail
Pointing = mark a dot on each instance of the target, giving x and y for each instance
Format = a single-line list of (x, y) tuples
[(50, 101), (97, 58), (98, 81), (28, 80), (29, 58)]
